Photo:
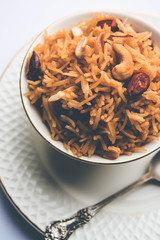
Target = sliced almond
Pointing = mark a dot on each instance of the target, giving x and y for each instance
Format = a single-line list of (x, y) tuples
[(56, 96), (77, 31), (80, 47)]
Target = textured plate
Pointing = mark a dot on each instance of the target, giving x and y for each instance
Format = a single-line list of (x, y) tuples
[(38, 197)]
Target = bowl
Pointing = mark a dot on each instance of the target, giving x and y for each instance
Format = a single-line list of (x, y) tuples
[(89, 183), (34, 115), (87, 179)]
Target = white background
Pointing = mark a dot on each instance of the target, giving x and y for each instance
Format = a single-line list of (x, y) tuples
[(20, 21)]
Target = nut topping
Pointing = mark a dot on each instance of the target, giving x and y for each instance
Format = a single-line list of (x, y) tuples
[(80, 47), (138, 84), (77, 31), (124, 69)]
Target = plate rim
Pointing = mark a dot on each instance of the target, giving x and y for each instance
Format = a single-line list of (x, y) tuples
[(2, 185)]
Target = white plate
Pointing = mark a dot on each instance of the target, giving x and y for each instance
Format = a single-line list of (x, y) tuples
[(39, 199)]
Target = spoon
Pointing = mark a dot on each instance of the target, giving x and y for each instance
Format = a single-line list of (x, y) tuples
[(62, 229)]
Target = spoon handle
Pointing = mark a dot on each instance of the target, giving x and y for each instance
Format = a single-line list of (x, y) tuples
[(145, 178), (62, 229)]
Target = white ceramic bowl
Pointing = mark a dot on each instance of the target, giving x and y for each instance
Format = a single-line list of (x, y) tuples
[(33, 114)]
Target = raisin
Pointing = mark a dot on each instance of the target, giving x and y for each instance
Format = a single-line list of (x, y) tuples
[(35, 71), (138, 84), (110, 23)]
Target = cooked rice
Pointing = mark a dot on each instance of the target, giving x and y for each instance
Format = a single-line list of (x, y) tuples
[(83, 105)]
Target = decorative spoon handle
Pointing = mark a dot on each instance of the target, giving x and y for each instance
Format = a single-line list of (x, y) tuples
[(62, 229)]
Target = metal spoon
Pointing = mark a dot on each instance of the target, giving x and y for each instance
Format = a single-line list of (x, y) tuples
[(62, 229)]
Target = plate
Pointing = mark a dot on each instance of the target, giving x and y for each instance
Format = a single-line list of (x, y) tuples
[(39, 199)]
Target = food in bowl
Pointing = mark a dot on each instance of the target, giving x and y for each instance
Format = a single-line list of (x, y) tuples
[(97, 87)]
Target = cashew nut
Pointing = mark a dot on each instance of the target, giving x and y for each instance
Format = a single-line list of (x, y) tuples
[(125, 69), (112, 153)]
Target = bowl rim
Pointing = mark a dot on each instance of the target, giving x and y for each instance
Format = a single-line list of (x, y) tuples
[(85, 159)]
